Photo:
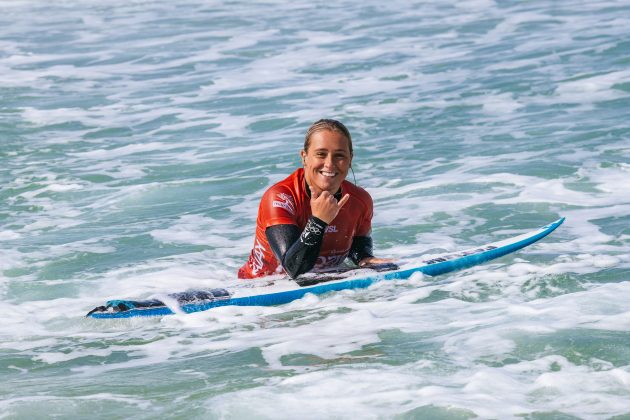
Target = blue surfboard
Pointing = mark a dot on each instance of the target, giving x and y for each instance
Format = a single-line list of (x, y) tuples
[(283, 291)]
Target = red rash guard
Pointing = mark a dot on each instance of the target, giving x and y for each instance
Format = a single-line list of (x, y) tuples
[(287, 203)]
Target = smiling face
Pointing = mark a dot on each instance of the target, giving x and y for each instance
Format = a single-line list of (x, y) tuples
[(327, 160)]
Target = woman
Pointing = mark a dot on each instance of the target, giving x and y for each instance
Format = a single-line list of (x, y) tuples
[(314, 218)]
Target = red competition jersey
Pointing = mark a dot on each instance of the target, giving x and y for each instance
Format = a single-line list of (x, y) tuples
[(287, 203)]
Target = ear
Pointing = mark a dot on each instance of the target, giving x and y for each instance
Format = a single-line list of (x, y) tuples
[(303, 155)]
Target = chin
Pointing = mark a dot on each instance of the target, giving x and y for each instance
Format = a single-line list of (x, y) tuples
[(327, 184), (331, 188)]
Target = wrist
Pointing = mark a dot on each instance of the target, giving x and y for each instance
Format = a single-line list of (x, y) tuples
[(313, 232), (321, 218), (318, 221)]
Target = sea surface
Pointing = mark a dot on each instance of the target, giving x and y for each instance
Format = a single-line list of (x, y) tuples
[(137, 137)]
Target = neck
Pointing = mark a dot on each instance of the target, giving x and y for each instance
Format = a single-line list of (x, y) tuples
[(337, 195)]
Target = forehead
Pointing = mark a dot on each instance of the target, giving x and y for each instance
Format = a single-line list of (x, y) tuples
[(329, 140)]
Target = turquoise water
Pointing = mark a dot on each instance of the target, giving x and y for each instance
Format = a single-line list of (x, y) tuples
[(136, 139)]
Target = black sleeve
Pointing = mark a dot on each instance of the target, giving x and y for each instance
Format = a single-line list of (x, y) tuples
[(297, 252), (361, 247)]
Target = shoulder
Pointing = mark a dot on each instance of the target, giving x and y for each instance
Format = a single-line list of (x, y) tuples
[(281, 196), (287, 186)]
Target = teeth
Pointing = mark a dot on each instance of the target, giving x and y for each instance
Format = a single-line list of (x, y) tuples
[(331, 174)]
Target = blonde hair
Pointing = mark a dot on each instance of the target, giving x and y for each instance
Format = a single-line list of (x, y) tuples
[(327, 124)]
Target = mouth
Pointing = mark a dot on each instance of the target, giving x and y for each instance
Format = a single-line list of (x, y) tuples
[(328, 174)]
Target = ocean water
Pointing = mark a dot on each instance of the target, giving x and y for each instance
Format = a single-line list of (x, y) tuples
[(137, 137)]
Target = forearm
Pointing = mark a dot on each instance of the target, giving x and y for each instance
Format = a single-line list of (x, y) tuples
[(360, 249), (297, 251)]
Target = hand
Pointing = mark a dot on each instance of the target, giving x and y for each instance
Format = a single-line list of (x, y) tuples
[(373, 260), (325, 206)]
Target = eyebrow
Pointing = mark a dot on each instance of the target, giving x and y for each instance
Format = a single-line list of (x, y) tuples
[(322, 149)]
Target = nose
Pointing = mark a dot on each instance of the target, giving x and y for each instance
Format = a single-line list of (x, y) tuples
[(328, 163)]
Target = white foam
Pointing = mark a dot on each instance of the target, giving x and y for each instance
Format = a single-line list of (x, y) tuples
[(66, 401), (500, 104), (126, 150), (593, 88), (498, 99), (7, 235)]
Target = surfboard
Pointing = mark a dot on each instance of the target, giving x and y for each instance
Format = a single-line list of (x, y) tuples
[(281, 291)]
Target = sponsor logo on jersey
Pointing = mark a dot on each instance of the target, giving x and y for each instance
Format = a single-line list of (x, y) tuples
[(257, 259), (324, 261), (331, 229), (284, 201)]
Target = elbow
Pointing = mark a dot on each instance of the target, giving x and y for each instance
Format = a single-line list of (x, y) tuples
[(293, 272)]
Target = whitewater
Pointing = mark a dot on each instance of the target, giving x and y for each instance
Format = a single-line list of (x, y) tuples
[(137, 138)]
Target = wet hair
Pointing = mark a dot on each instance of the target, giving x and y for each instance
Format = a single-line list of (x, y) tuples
[(327, 124)]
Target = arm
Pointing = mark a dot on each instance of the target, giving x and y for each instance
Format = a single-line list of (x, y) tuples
[(361, 248), (297, 252), (361, 254)]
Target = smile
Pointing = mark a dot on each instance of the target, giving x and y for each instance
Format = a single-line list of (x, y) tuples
[(328, 174)]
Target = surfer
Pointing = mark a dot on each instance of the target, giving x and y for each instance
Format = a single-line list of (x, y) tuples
[(314, 218)]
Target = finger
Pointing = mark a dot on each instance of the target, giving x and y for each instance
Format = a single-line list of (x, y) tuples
[(344, 200), (314, 193), (324, 196), (375, 260)]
